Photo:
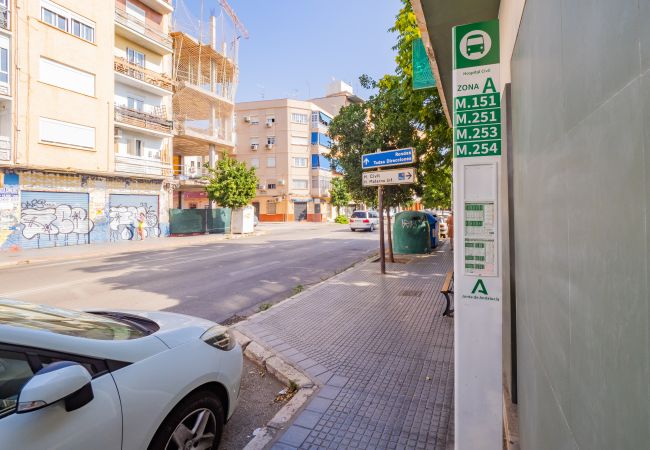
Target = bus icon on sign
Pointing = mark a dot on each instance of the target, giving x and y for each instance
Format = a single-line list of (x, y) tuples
[(475, 44)]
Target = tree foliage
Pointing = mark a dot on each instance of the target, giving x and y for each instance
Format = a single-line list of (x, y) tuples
[(230, 183), (339, 194), (396, 117)]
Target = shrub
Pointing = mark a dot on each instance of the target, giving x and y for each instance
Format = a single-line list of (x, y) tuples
[(342, 219)]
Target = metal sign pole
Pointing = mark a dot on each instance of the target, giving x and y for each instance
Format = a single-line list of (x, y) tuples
[(382, 248)]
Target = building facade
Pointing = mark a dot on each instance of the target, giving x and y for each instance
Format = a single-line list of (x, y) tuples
[(86, 143), (287, 142), (575, 108), (205, 73)]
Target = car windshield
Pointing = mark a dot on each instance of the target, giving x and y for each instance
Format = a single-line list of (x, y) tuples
[(359, 215), (63, 321)]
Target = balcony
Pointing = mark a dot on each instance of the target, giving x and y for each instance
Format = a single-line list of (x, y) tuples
[(162, 84), (141, 32), (5, 18), (194, 137), (190, 175), (160, 6), (5, 148), (141, 166), (155, 122)]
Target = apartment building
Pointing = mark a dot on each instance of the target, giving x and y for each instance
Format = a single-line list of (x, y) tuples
[(85, 140), (286, 140), (205, 75)]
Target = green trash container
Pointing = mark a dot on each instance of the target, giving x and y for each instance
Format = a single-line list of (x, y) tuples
[(411, 233)]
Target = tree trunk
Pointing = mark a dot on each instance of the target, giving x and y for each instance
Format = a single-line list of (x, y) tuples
[(390, 237)]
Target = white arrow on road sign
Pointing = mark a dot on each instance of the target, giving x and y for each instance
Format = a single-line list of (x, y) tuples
[(388, 177)]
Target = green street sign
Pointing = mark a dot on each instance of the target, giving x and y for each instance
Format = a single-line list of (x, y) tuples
[(477, 100), (476, 44), (422, 73)]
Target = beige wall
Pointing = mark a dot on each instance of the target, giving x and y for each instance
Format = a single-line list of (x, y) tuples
[(34, 99)]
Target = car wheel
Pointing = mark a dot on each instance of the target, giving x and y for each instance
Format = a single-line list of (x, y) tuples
[(353, 230), (196, 423)]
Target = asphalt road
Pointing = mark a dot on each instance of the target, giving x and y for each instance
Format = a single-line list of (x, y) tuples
[(214, 281)]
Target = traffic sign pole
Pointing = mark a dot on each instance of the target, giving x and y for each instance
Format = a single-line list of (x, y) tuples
[(382, 247)]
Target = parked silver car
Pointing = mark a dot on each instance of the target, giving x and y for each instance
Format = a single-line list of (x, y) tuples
[(364, 220)]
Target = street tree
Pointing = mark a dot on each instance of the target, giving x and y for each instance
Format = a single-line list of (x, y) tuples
[(396, 116), (339, 194), (230, 183)]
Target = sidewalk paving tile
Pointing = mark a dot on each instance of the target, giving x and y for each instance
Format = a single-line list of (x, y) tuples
[(294, 435), (382, 351)]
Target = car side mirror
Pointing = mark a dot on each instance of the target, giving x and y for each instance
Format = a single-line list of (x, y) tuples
[(64, 380)]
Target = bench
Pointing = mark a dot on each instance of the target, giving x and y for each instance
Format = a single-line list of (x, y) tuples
[(447, 290)]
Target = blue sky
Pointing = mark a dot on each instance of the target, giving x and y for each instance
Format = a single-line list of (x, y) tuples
[(297, 46)]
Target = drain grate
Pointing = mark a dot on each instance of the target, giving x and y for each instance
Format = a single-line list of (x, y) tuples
[(410, 293)]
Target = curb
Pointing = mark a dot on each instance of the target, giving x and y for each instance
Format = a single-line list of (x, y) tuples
[(283, 370), (104, 252), (287, 374)]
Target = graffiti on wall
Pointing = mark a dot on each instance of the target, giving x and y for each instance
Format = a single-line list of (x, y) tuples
[(57, 223), (124, 220), (9, 204)]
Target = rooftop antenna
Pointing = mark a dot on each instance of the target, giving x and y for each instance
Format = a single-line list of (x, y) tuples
[(261, 90)]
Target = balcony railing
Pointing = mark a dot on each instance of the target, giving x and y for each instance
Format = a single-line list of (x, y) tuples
[(137, 72), (183, 172), (134, 164), (220, 89), (156, 120), (5, 18), (137, 25), (216, 133)]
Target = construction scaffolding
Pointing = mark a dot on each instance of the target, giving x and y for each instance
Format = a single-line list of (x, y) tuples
[(205, 75)]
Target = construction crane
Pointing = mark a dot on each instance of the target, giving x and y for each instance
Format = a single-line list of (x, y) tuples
[(235, 20)]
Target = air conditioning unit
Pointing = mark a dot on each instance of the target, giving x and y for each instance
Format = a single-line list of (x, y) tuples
[(281, 182), (269, 146), (255, 146), (268, 124), (247, 119), (261, 187)]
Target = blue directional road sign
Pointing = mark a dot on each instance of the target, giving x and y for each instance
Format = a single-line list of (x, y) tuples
[(387, 158)]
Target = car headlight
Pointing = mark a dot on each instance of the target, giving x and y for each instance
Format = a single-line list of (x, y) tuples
[(219, 337)]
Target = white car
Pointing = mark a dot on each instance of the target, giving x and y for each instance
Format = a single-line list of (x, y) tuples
[(113, 380), (364, 220)]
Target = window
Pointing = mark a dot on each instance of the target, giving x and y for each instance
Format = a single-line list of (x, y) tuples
[(299, 118), (316, 208), (271, 186), (270, 120), (135, 57), (67, 322), (270, 162), (56, 131), (299, 162), (54, 19), (135, 147), (255, 120), (135, 103), (255, 162), (66, 77), (67, 21), (299, 140), (270, 140), (83, 31), (14, 373), (300, 184), (135, 11), (359, 215), (271, 207), (314, 119), (4, 65)]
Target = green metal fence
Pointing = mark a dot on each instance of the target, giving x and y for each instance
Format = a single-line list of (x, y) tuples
[(197, 221)]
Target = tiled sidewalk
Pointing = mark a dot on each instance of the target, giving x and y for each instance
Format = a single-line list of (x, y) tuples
[(382, 351)]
